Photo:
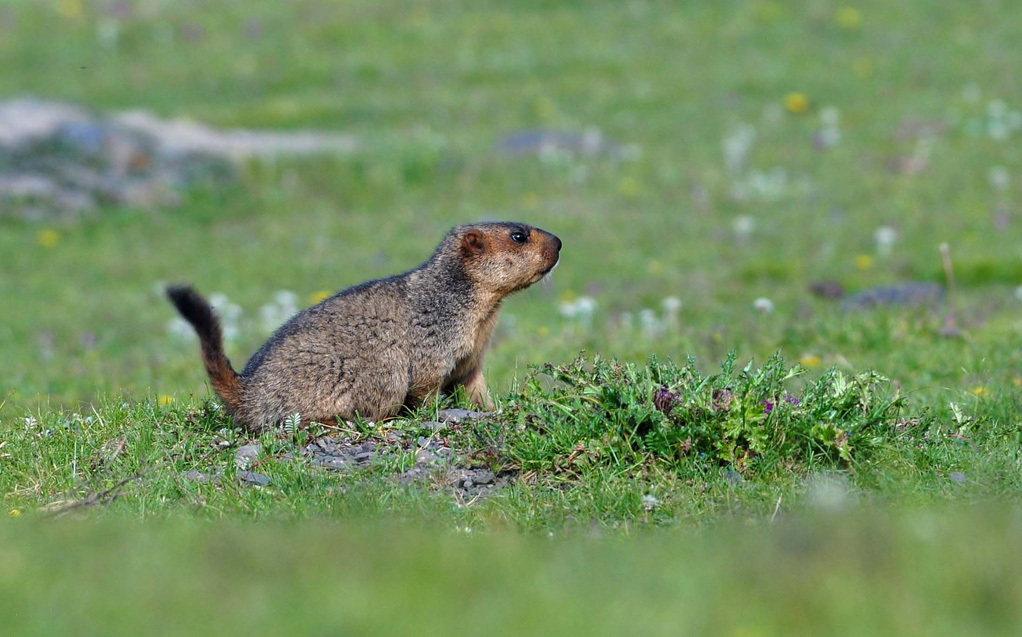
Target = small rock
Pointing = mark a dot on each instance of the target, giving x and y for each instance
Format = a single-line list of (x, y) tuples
[(253, 478), (246, 455), (483, 476), (364, 457), (337, 463), (907, 294), (195, 475), (460, 415), (957, 476), (433, 425), (539, 142), (425, 456)]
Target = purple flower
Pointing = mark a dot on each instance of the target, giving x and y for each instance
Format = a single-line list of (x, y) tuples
[(665, 400), (768, 406)]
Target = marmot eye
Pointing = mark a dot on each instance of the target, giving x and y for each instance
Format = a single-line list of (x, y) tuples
[(519, 237)]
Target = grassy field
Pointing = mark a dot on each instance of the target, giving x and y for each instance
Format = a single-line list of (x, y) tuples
[(755, 148)]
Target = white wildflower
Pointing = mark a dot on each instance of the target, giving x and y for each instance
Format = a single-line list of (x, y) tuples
[(180, 328), (108, 32), (999, 177), (997, 109), (884, 237), (650, 502), (737, 145), (584, 307), (569, 309), (229, 313), (743, 226), (649, 323), (830, 117), (671, 306), (274, 314), (764, 305)]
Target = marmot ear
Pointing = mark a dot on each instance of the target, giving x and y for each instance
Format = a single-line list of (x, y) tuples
[(473, 243)]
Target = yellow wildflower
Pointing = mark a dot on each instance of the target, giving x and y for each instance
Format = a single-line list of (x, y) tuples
[(810, 361), (165, 400), (628, 187), (849, 18), (47, 237), (864, 262), (981, 391), (1017, 381), (316, 297), (796, 103), (14, 513)]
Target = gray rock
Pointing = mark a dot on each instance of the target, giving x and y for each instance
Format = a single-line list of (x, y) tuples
[(336, 463), (60, 159), (425, 456), (364, 457), (194, 475), (907, 294), (460, 415), (483, 476), (246, 455), (543, 142), (253, 478), (433, 425)]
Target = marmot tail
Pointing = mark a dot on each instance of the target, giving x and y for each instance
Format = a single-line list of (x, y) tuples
[(197, 311)]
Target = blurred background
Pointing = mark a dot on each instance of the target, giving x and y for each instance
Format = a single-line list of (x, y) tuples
[(756, 176)]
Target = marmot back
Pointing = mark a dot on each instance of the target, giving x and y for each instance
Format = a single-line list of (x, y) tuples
[(385, 344)]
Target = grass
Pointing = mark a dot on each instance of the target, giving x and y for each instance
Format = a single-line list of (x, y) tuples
[(723, 194), (916, 572)]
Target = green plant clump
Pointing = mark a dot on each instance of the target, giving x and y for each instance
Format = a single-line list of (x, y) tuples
[(757, 421)]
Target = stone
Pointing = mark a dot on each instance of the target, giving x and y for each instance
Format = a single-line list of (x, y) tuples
[(194, 475), (58, 159), (906, 294), (247, 455), (425, 456), (460, 415), (253, 478)]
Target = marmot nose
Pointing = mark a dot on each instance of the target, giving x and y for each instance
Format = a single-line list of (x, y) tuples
[(557, 241)]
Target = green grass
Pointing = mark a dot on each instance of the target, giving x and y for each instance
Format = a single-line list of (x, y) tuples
[(96, 389), (913, 573)]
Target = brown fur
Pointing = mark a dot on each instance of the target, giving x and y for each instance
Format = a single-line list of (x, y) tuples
[(373, 348)]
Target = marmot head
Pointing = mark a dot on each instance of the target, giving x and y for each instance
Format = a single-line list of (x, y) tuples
[(504, 257)]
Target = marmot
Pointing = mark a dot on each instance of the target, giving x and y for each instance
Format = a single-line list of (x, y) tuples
[(385, 344)]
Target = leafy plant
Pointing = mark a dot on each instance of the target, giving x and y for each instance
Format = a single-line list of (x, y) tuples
[(607, 413)]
